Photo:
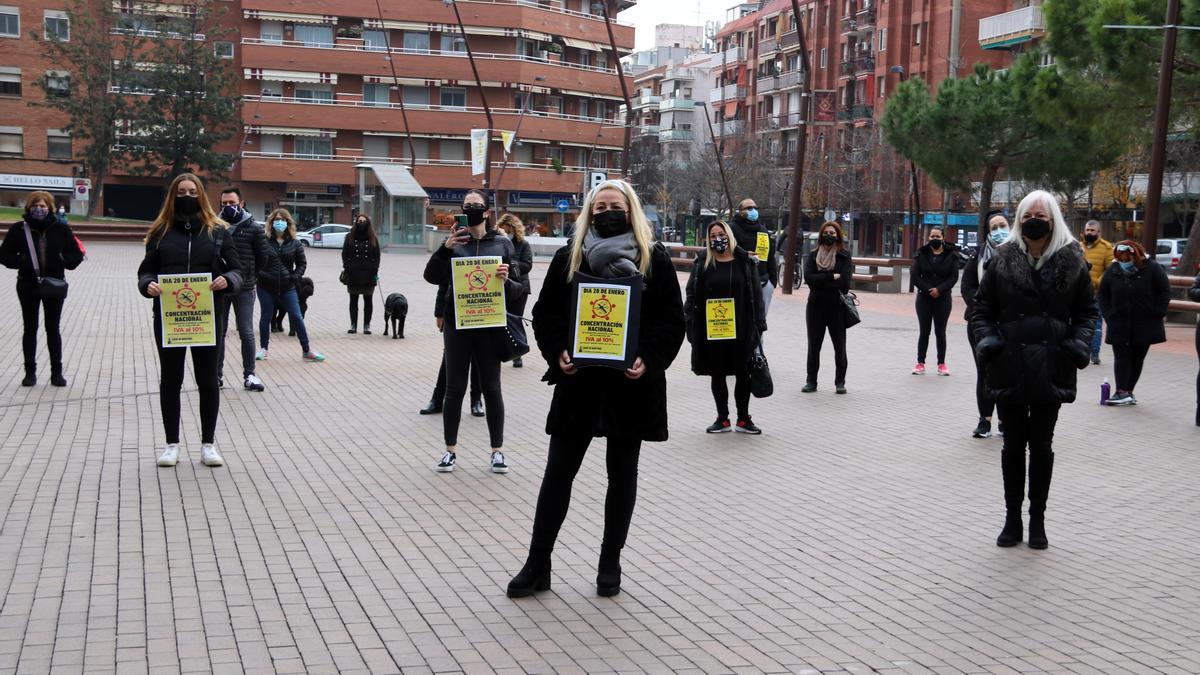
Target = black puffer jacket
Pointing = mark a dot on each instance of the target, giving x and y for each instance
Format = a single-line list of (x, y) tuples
[(750, 310), (61, 250), (931, 271), (1033, 328), (1134, 305), (600, 401), (251, 242), (185, 248), (438, 269), (746, 234), (360, 260), (524, 261), (284, 265), (970, 283)]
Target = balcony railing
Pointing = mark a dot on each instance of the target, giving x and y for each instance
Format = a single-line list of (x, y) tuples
[(855, 112), (769, 83), (535, 4), (676, 135), (1011, 27), (782, 81), (425, 52), (768, 46), (715, 95), (733, 92), (865, 64), (647, 130), (359, 103), (647, 100), (732, 55), (343, 156), (677, 104), (777, 122), (731, 128), (865, 18), (789, 40), (679, 74)]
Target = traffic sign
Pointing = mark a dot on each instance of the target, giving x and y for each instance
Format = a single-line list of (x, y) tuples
[(83, 189), (598, 177), (563, 205)]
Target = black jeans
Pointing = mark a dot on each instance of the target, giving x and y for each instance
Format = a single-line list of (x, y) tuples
[(439, 389), (30, 304), (1031, 426), (741, 395), (819, 320), (368, 308), (562, 464), (243, 308), (935, 311), (1127, 365), (983, 401), (464, 349), (204, 367)]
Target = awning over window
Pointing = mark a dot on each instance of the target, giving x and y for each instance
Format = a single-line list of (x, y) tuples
[(289, 17), (731, 109), (395, 25), (374, 79), (588, 94), (291, 131), (594, 46), (289, 76)]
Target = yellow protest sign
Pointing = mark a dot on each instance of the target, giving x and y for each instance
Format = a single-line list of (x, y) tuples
[(188, 315), (478, 293), (762, 248), (721, 319), (601, 318)]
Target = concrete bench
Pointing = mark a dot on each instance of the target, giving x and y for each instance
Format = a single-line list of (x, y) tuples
[(889, 281)]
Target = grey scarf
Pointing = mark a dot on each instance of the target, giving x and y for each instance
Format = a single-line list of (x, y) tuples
[(611, 257)]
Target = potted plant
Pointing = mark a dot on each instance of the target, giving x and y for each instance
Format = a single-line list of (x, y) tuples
[(557, 165), (553, 51)]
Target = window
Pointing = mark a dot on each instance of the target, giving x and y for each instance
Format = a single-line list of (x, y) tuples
[(314, 36), (453, 43), (58, 144), (58, 26), (600, 159), (824, 57), (58, 84), (375, 40), (271, 31), (416, 95), (314, 148), (375, 146), (419, 145), (10, 22), (554, 152), (585, 58), (453, 150), (376, 94), (10, 81), (416, 41), (223, 50), (454, 97), (916, 34), (271, 144), (12, 141), (883, 39), (314, 92), (272, 88), (882, 87), (527, 48)]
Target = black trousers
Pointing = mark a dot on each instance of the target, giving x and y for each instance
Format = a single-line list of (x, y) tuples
[(439, 389), (204, 367), (1127, 365), (983, 401), (819, 320), (932, 312), (30, 304), (368, 308), (562, 464), (1032, 427), (466, 349), (741, 395)]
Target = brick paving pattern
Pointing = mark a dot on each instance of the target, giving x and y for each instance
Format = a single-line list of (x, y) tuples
[(856, 535)]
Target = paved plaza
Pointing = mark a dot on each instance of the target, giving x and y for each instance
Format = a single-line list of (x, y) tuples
[(856, 535)]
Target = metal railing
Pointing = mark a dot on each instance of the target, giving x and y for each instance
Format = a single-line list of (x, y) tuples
[(669, 135), (1016, 22), (534, 4), (350, 157), (856, 112), (358, 103), (864, 64), (676, 104)]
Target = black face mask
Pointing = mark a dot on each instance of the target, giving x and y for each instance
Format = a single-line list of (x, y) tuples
[(230, 213), (1035, 228), (187, 206), (720, 245), (829, 239), (1090, 238), (935, 244), (474, 213), (610, 223)]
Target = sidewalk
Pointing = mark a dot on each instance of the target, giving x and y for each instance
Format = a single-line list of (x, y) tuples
[(856, 535)]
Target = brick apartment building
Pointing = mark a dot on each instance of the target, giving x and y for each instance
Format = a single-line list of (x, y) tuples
[(322, 86)]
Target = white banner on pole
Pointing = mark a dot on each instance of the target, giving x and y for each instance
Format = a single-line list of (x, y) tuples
[(479, 151)]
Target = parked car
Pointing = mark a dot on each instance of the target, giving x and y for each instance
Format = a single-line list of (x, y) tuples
[(1168, 252), (331, 235)]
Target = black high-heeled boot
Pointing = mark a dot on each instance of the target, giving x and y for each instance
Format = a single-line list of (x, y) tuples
[(534, 577), (1012, 465), (608, 572), (1041, 468)]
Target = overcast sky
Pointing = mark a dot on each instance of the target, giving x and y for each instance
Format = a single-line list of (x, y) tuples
[(649, 13)]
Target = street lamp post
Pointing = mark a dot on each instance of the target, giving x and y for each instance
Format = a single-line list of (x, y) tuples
[(916, 190)]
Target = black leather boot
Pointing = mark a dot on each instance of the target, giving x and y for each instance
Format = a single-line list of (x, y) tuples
[(534, 577), (432, 408), (608, 572), (1012, 466), (30, 375), (477, 409), (1041, 467), (56, 375)]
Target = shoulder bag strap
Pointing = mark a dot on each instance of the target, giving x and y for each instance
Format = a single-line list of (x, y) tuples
[(33, 255)]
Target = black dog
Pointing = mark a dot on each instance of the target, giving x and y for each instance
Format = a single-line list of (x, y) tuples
[(395, 309), (304, 290)]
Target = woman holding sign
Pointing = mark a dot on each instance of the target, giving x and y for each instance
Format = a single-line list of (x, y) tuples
[(473, 265), (626, 402), (188, 240), (725, 317)]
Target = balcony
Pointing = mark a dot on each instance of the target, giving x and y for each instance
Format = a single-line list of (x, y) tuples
[(768, 46), (676, 136), (779, 82), (676, 105), (865, 18), (674, 74), (730, 128), (646, 101), (789, 41), (1002, 31), (647, 130), (714, 96), (766, 84), (732, 56), (856, 113), (858, 66), (733, 92)]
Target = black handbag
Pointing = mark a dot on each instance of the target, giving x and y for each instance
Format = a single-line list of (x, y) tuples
[(850, 315), (48, 288), (511, 341), (761, 384)]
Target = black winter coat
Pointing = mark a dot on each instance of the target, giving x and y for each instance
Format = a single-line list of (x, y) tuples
[(1033, 328), (746, 234), (969, 285), (824, 293), (931, 271), (438, 269), (185, 248), (1194, 292), (600, 401), (284, 265), (250, 240), (61, 250), (1135, 305), (360, 262), (524, 262), (751, 312)]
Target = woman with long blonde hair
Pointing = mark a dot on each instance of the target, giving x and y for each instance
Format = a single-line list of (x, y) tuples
[(277, 281), (612, 240), (188, 237)]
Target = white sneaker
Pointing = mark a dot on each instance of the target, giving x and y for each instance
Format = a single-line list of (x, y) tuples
[(447, 463), (209, 455), (170, 456), (252, 383), (498, 465)]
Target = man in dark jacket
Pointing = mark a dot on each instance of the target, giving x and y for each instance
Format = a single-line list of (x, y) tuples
[(752, 236), (249, 239)]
